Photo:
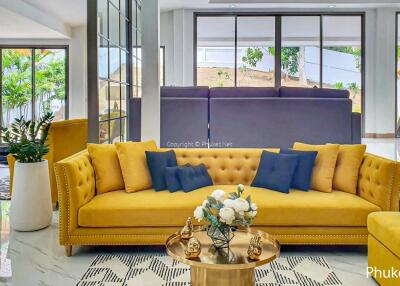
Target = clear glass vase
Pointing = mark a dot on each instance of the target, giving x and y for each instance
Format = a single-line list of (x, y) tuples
[(220, 235)]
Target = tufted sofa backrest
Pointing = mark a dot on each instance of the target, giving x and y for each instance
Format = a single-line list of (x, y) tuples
[(226, 166), (379, 182)]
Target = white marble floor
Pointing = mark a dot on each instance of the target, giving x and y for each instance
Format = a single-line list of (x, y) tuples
[(35, 258)]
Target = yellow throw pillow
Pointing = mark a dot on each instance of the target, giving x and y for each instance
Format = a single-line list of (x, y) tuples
[(106, 167), (324, 166), (348, 165), (132, 158)]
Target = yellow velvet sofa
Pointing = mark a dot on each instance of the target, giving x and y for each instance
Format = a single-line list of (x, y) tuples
[(384, 247), (148, 217), (66, 138)]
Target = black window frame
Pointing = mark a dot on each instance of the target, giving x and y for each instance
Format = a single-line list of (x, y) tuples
[(278, 43), (129, 85), (33, 48)]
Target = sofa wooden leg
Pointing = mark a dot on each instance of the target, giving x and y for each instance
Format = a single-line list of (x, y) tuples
[(68, 250)]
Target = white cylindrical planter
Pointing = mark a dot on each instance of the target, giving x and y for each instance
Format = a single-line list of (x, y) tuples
[(31, 207)]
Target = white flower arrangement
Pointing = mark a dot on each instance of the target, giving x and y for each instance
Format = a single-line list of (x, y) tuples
[(235, 211)]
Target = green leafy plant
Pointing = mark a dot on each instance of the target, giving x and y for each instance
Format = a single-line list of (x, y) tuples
[(339, 85), (27, 139), (289, 59), (253, 56), (17, 81), (222, 77)]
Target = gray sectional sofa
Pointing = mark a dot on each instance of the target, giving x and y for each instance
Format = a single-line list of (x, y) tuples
[(252, 117)]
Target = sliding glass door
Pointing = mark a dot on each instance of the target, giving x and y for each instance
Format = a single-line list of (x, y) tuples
[(255, 51), (251, 49), (342, 62), (33, 81), (300, 52), (216, 51)]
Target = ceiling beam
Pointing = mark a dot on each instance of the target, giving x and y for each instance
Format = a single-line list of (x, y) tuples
[(35, 14), (378, 2)]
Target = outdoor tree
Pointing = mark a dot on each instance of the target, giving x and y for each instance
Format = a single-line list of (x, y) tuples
[(290, 61), (17, 81), (16, 85), (251, 59)]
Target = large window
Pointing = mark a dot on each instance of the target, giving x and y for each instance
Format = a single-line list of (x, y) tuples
[(342, 47), (300, 55), (311, 50), (33, 81), (216, 51), (255, 51), (119, 65)]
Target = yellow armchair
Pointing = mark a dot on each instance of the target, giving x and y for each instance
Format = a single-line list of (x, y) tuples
[(65, 139)]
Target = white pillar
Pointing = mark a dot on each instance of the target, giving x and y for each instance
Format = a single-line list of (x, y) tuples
[(150, 120), (385, 70)]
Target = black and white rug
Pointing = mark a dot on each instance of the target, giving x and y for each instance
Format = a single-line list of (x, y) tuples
[(161, 270)]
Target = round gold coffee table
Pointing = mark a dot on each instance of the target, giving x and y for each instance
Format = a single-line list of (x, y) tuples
[(223, 267)]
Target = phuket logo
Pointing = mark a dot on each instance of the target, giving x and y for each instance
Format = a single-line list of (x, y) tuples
[(383, 273)]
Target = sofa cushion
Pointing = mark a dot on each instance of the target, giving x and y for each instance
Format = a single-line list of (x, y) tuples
[(324, 167), (106, 166), (132, 159), (302, 174), (385, 227), (151, 208), (157, 162), (275, 171), (194, 177), (245, 92), (172, 179), (287, 91), (184, 91), (347, 168)]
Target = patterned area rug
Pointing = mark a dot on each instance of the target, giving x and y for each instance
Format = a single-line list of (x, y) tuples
[(160, 269), (5, 188)]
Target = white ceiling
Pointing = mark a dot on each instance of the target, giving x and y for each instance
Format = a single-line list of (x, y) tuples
[(166, 5), (16, 26), (70, 12)]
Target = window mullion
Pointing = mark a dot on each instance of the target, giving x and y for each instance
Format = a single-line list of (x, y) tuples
[(33, 78), (278, 48), (321, 60), (236, 46)]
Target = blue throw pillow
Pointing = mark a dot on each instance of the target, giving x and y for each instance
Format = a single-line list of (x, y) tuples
[(275, 171), (172, 179), (194, 177), (156, 162), (303, 172)]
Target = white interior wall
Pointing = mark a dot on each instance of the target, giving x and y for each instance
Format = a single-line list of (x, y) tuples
[(77, 66), (177, 37)]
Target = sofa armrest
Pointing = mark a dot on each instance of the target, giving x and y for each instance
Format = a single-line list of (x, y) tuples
[(356, 128), (379, 182), (76, 186)]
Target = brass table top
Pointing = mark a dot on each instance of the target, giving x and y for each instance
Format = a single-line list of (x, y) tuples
[(234, 258)]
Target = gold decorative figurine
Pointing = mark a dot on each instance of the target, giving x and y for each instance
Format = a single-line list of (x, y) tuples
[(255, 248), (187, 230), (193, 248)]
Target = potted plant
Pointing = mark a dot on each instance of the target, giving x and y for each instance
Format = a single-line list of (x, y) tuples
[(223, 215), (31, 207)]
